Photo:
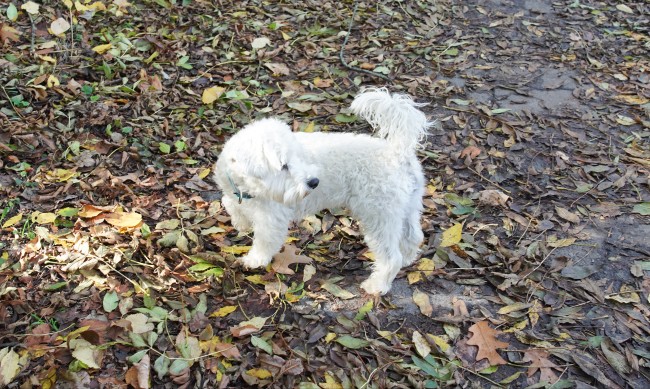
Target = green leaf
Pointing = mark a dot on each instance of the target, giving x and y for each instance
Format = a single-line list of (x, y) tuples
[(351, 342), (110, 301), (164, 148), (343, 118), (336, 290), (363, 311), (451, 52), (56, 286), (178, 366), (135, 358), (179, 145), (170, 238), (642, 208), (67, 212), (500, 110), (161, 366), (262, 344), (12, 12), (137, 340), (426, 367)]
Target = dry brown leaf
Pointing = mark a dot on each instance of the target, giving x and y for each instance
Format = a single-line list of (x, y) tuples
[(286, 258), (493, 197), (539, 361), (471, 152), (567, 215), (484, 337)]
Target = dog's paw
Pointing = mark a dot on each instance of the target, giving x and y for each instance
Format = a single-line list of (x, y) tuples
[(253, 261), (375, 287)]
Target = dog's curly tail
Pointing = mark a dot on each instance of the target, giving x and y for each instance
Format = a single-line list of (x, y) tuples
[(394, 117)]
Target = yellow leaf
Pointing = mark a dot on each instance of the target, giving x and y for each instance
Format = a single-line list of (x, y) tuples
[(330, 337), (632, 99), (421, 344), (224, 311), (426, 265), (259, 373), (97, 6), (330, 382), (421, 299), (211, 94), (235, 249), (310, 127), (285, 36), (46, 58), (13, 220), (452, 235), (80, 7), (45, 218), (414, 277), (101, 49), (256, 279), (562, 242), (440, 342), (30, 7), (52, 81), (59, 26), (124, 219), (204, 173), (68, 3)]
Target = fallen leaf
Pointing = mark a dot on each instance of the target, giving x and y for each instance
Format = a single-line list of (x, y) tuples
[(59, 26), (421, 344), (484, 337), (260, 42), (124, 219), (9, 365), (452, 235), (278, 68), (248, 327), (286, 258), (210, 95), (30, 7), (493, 197), (567, 215), (471, 152), (421, 299), (540, 362), (352, 342)]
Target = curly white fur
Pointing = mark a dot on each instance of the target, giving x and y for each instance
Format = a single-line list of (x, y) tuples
[(271, 176)]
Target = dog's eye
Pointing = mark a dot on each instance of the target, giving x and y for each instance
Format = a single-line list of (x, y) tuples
[(285, 167)]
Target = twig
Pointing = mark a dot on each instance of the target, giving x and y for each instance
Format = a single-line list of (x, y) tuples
[(345, 42), (488, 180), (11, 102)]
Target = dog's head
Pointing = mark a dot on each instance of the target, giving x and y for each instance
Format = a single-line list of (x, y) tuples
[(264, 160)]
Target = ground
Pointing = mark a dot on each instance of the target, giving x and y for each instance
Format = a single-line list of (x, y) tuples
[(117, 261)]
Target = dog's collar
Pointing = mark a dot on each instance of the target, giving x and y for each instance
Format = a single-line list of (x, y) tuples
[(240, 195)]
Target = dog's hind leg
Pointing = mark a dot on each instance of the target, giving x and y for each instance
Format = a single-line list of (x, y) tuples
[(412, 237), (384, 243), (269, 233)]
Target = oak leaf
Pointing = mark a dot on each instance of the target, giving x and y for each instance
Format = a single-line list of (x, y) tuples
[(484, 337), (286, 258), (539, 361)]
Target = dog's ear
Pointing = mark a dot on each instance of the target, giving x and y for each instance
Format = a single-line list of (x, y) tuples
[(275, 154)]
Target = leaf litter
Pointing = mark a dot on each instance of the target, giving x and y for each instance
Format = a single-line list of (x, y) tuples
[(117, 260)]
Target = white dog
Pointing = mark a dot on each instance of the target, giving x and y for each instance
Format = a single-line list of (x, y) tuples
[(271, 176)]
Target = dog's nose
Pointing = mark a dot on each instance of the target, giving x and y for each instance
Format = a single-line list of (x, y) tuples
[(313, 183)]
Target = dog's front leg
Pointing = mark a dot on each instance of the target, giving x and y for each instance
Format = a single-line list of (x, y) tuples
[(270, 232)]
